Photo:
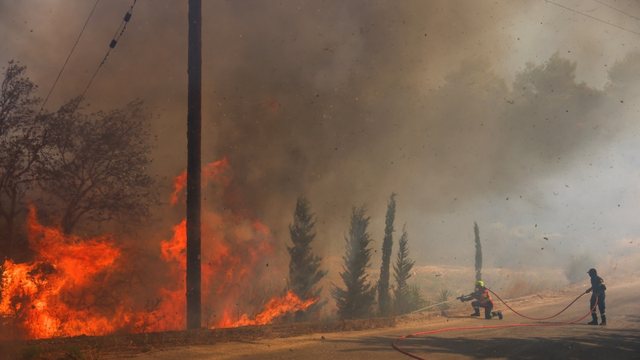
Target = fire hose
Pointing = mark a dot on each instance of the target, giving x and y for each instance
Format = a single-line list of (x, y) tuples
[(537, 319), (433, 305), (395, 346)]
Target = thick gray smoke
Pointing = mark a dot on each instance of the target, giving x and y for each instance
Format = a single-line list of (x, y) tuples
[(468, 110)]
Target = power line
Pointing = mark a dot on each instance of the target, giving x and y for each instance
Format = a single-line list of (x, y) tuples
[(616, 9), (66, 61), (592, 17), (114, 41)]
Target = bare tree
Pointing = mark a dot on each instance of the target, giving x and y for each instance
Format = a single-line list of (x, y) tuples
[(21, 140), (95, 166)]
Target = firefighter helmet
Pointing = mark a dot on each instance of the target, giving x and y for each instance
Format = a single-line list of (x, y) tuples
[(480, 283)]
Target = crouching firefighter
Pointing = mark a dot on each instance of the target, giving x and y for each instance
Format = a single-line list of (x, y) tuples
[(481, 299), (597, 295)]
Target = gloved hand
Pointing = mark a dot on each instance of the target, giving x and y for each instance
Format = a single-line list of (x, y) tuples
[(588, 291)]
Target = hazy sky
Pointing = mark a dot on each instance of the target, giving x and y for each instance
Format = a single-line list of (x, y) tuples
[(522, 116)]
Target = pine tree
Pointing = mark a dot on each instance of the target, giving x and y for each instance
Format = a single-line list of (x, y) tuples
[(357, 298), (476, 231), (402, 273), (304, 266), (387, 246)]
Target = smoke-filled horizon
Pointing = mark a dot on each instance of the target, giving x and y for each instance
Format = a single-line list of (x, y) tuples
[(520, 116)]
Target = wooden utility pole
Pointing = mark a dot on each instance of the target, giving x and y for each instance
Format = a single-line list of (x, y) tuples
[(194, 166)]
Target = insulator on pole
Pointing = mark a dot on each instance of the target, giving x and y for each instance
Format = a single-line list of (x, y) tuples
[(113, 43), (127, 16)]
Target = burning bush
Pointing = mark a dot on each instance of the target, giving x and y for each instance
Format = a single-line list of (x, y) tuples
[(62, 290), (74, 286)]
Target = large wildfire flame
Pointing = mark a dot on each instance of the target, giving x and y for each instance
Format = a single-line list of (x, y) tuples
[(67, 290), (43, 295)]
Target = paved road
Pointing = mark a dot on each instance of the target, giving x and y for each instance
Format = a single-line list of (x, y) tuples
[(619, 340)]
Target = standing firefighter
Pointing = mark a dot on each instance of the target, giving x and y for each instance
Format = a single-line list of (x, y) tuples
[(597, 296), (482, 300)]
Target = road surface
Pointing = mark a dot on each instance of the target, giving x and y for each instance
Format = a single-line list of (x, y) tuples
[(619, 340)]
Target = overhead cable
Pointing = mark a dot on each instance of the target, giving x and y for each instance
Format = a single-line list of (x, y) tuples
[(616, 9), (592, 17), (112, 44), (73, 48)]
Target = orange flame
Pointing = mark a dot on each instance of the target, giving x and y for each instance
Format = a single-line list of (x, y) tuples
[(229, 258), (232, 247), (275, 308), (64, 267), (178, 185), (61, 292), (211, 171)]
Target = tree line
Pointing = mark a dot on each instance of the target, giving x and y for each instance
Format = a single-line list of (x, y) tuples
[(356, 296), (85, 168), (77, 167)]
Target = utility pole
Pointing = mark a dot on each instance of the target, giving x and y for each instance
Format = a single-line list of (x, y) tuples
[(194, 165)]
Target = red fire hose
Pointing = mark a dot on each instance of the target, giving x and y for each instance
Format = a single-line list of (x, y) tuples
[(395, 346), (537, 319)]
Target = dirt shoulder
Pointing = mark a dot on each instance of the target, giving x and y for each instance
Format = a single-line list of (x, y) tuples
[(619, 340), (120, 345), (371, 339)]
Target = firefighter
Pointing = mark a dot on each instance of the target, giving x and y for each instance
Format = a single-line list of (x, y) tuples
[(597, 290), (482, 299)]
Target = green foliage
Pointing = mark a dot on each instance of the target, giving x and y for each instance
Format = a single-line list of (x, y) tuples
[(476, 232), (415, 300), (402, 272), (304, 266), (384, 300), (356, 299), (444, 295)]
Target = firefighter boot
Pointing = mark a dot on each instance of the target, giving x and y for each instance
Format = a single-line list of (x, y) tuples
[(476, 311), (604, 319), (497, 313), (594, 320), (488, 314)]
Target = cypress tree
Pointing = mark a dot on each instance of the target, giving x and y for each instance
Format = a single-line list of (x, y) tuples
[(357, 298), (476, 232), (304, 266), (402, 273), (387, 245)]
